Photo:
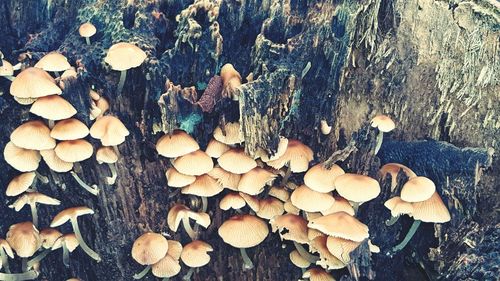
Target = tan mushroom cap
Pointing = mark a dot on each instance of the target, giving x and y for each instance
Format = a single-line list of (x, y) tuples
[(33, 83), (290, 208), (340, 205), (178, 212), (195, 254), (6, 247), (123, 56), (53, 61), (232, 200), (204, 186), (176, 179), (106, 154), (24, 101), (357, 188), (418, 189), (228, 72), (95, 96), (342, 225), (6, 69), (298, 260), (20, 184), (69, 239), (398, 207), (55, 163), (215, 148), (254, 181), (236, 161), (326, 259), (53, 107), (270, 207), (384, 123), (110, 130), (69, 129), (309, 200), (290, 227), (393, 169), (226, 179), (70, 72), (431, 210), (31, 198), (33, 135), (231, 135), (174, 249), (341, 248), (149, 248), (321, 179), (68, 214), (280, 193), (243, 231), (49, 237), (23, 160), (167, 267), (194, 163), (24, 239), (87, 30), (74, 150), (317, 274), (251, 201), (99, 108), (178, 144), (282, 145), (313, 233), (297, 156)]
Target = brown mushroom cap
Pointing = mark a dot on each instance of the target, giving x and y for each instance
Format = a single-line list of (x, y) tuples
[(232, 200), (418, 189), (106, 154), (231, 135), (33, 135), (398, 206), (33, 198), (53, 107), (24, 239), (167, 267), (290, 208), (216, 148), (326, 259), (53, 61), (20, 184), (290, 227), (33, 83), (383, 122), (69, 129), (270, 207), (280, 193), (298, 260), (393, 169), (317, 274), (236, 161), (149, 248), (178, 144), (225, 179), (431, 210), (74, 150), (69, 239), (87, 30), (110, 130), (357, 188), (176, 179), (23, 160), (174, 249), (309, 200), (340, 205), (55, 163), (243, 231), (254, 181), (195, 254), (251, 201), (342, 225), (49, 237), (194, 163), (68, 214), (321, 179), (122, 56), (6, 69), (297, 156), (341, 248), (204, 185)]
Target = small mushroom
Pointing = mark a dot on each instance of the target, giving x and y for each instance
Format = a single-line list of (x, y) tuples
[(23, 160), (177, 179), (230, 134), (204, 186), (309, 200), (318, 274), (327, 259), (49, 237), (53, 108), (33, 83), (393, 169), (5, 253), (342, 225), (398, 207), (87, 30), (296, 157), (182, 213), (169, 265), (110, 131), (321, 179), (299, 261), (231, 80), (123, 56), (357, 188), (215, 148), (195, 163), (54, 62), (68, 242), (224, 178), (236, 161), (20, 184), (149, 249), (195, 255), (232, 200), (254, 181), (107, 155), (25, 240), (6, 70), (269, 208), (31, 199), (177, 144), (384, 124)]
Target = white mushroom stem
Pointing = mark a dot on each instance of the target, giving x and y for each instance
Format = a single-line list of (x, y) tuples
[(57, 73), (94, 189), (165, 279), (34, 214), (247, 262), (82, 243), (142, 273), (304, 253), (355, 206), (123, 76), (380, 138), (87, 39), (189, 230), (42, 178), (408, 236), (391, 221), (188, 274), (287, 175), (204, 204), (11, 78), (65, 254), (50, 123), (111, 180), (30, 275), (115, 148), (38, 258), (24, 264), (5, 260)]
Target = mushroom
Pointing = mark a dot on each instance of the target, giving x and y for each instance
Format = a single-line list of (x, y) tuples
[(341, 248), (110, 131), (309, 200), (299, 261), (169, 265), (98, 108), (269, 208), (342, 225), (252, 202), (54, 62), (280, 150), (231, 134), (321, 179), (69, 243), (177, 144), (397, 207), (231, 80), (33, 198), (317, 274), (20, 184), (195, 163), (279, 192), (297, 157), (177, 179), (204, 186), (33, 135), (53, 108), (72, 215), (87, 30), (357, 188), (55, 163), (6, 70), (340, 205), (254, 181), (384, 124), (418, 189), (49, 237), (232, 200), (24, 239), (33, 83), (69, 129), (23, 160), (215, 148), (236, 161), (325, 128), (107, 155), (393, 169), (5, 253), (194, 255), (326, 259), (182, 213), (149, 249), (244, 231), (224, 178), (123, 56)]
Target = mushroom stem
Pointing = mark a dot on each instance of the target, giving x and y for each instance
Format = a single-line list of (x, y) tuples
[(50, 123), (82, 243), (5, 260), (188, 274), (304, 253), (34, 214), (42, 178), (189, 230), (408, 236), (24, 264), (11, 78), (165, 279), (92, 189), (38, 258), (57, 73), (247, 262), (30, 275), (391, 221), (204, 204), (355, 206), (142, 273), (87, 39), (286, 176), (65, 254), (380, 138), (123, 76), (111, 180), (115, 148), (174, 193)]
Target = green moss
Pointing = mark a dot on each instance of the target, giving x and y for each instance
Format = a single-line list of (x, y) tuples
[(188, 123)]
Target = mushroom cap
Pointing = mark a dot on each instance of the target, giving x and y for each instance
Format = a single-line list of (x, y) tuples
[(6, 247), (20, 183), (398, 206), (290, 227), (176, 179), (74, 150), (53, 61), (236, 161), (101, 106), (342, 225), (431, 210), (55, 163), (106, 154), (297, 156), (94, 95), (178, 144), (321, 179), (53, 107), (251, 201), (110, 130), (70, 213), (174, 249), (270, 207), (33, 83), (123, 56), (33, 135), (195, 163), (298, 260), (24, 239), (25, 101), (231, 135), (87, 30), (204, 186), (69, 129), (340, 205), (167, 267), (33, 198), (70, 72), (317, 274), (326, 259), (232, 200), (309, 200), (215, 148), (290, 208), (23, 160), (418, 189), (254, 181), (178, 212), (357, 188), (226, 179), (195, 254), (6, 69), (49, 237), (243, 231), (228, 72), (384, 123), (69, 239), (393, 169), (341, 248), (282, 145), (149, 248), (280, 193)]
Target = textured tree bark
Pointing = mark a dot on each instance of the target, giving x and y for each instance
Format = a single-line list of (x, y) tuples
[(433, 65)]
